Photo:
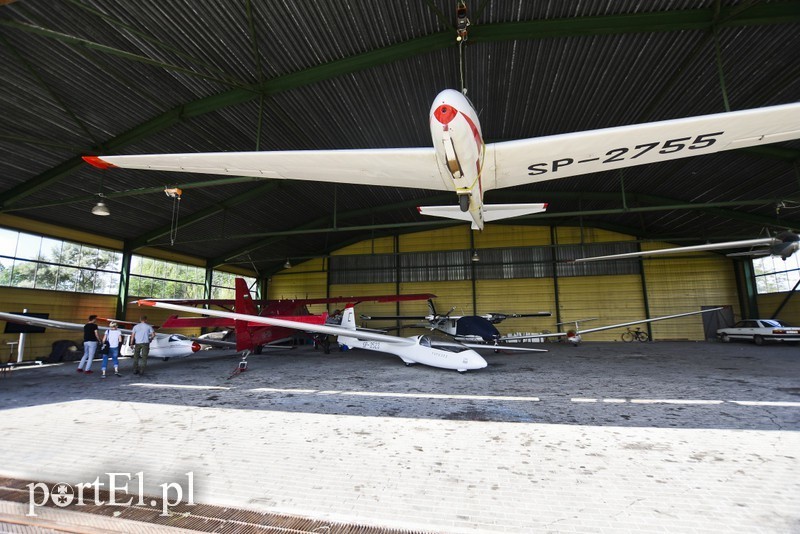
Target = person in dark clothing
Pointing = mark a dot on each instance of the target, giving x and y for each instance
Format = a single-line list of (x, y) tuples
[(91, 338)]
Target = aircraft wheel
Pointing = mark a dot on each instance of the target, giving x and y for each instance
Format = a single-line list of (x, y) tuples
[(463, 202), (758, 340), (725, 338), (164, 359)]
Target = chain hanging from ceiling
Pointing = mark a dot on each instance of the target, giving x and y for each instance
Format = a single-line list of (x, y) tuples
[(175, 194), (462, 23)]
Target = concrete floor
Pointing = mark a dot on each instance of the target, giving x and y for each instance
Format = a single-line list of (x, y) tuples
[(605, 437)]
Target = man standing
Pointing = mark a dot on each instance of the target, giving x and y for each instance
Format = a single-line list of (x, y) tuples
[(141, 337), (91, 337)]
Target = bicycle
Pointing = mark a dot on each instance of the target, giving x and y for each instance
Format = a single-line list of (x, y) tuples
[(638, 335)]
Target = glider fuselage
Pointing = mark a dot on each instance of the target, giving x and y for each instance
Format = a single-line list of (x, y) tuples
[(460, 150)]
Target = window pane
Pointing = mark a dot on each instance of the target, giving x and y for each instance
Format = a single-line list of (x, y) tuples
[(196, 275), (136, 264), (106, 283), (146, 267), (68, 278), (46, 276), (222, 293), (110, 260), (86, 283), (8, 242), (6, 267), (50, 250), (24, 274), (28, 246), (70, 254), (89, 257)]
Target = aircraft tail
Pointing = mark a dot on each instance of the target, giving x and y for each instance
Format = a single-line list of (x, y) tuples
[(491, 212), (349, 318), (349, 322), (244, 301)]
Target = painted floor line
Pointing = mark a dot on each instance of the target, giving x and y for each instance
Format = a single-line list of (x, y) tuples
[(584, 400)]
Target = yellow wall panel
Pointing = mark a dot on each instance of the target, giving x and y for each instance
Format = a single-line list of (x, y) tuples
[(62, 306), (382, 245), (768, 304), (452, 238), (309, 266), (529, 295), (611, 299), (502, 236), (448, 294), (572, 235), (300, 285), (367, 307), (685, 285)]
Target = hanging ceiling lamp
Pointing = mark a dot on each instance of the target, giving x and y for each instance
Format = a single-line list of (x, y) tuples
[(101, 209)]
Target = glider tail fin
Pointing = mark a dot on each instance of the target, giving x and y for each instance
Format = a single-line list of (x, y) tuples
[(349, 322), (349, 318), (491, 212)]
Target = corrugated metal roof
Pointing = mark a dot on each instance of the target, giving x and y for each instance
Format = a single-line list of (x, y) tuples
[(127, 78)]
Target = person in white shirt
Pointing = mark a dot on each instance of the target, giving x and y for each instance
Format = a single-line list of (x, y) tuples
[(141, 337), (113, 337)]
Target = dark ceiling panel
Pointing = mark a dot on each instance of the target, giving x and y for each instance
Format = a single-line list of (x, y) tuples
[(141, 77)]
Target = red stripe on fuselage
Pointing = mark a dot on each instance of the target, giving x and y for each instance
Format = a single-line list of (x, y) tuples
[(445, 114)]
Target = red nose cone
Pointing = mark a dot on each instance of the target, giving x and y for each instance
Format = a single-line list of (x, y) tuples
[(195, 346), (444, 114)]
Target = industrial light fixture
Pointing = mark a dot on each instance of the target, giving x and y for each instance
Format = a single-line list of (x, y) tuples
[(101, 209), (288, 264), (475, 256)]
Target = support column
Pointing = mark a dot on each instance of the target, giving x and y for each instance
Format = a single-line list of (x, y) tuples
[(124, 282), (554, 265), (208, 282)]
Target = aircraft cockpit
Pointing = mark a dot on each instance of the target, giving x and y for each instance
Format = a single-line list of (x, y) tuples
[(448, 346), (177, 337)]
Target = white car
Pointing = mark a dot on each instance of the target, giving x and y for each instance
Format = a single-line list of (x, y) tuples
[(759, 331)]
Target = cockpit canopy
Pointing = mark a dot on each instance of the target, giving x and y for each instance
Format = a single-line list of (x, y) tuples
[(448, 346)]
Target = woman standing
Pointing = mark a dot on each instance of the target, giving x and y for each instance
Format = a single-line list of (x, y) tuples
[(113, 337)]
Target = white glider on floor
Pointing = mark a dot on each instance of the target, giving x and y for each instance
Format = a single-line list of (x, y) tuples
[(416, 349)]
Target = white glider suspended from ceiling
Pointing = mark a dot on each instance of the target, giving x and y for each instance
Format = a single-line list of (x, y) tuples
[(784, 245), (462, 162)]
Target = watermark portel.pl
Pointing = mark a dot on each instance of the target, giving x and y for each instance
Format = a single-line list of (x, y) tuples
[(64, 495)]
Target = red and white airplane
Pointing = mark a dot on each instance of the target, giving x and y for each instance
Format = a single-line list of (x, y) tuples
[(412, 350), (251, 335), (462, 162)]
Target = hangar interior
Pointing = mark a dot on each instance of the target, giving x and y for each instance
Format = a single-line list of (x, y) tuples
[(90, 77)]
